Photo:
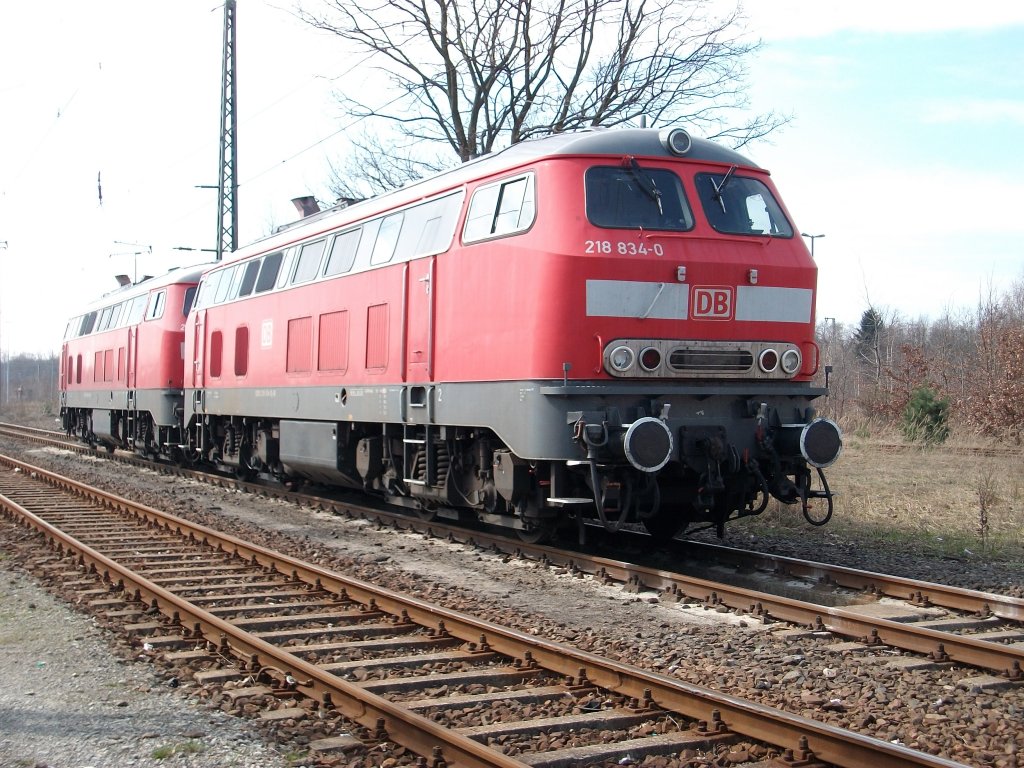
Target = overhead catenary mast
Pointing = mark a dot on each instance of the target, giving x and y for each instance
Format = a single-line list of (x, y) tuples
[(227, 186)]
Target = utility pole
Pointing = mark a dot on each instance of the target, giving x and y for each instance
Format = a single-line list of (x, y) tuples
[(227, 188), (134, 254), (812, 238)]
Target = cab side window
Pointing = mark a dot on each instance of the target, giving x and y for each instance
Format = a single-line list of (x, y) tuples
[(502, 208), (156, 305)]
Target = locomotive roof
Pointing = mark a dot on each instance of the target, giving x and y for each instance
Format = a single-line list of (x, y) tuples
[(145, 285), (643, 142), (613, 142)]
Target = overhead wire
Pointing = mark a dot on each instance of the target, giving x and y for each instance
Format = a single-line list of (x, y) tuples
[(44, 137), (316, 143)]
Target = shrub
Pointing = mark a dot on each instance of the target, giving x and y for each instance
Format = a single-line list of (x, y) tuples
[(926, 417)]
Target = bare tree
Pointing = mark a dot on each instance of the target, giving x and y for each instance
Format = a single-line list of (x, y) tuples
[(375, 167), (476, 74)]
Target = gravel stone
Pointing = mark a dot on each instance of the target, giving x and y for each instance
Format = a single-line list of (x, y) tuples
[(792, 670), (69, 702)]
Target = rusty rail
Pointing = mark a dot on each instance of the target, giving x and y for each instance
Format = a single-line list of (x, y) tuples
[(797, 735)]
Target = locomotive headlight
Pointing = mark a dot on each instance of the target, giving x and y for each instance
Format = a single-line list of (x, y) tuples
[(650, 359), (621, 359), (675, 140), (791, 361), (768, 360)]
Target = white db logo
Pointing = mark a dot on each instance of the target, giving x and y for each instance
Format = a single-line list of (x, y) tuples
[(712, 302)]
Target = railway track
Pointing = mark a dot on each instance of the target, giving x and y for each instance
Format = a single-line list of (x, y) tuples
[(450, 688), (942, 624)]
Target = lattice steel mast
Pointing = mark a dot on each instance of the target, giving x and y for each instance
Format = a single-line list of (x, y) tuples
[(227, 187)]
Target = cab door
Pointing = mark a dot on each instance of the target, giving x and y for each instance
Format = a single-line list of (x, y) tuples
[(131, 377), (419, 320), (199, 350)]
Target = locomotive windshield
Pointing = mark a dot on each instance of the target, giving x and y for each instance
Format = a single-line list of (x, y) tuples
[(740, 205), (630, 197)]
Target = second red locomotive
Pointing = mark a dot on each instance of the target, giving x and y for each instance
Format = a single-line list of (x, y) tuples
[(612, 326)]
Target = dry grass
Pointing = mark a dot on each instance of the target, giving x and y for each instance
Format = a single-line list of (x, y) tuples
[(952, 499)]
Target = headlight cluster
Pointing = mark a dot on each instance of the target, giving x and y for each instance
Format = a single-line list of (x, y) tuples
[(791, 361), (769, 360), (622, 358), (702, 359)]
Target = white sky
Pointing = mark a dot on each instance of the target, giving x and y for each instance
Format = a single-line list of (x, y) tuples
[(904, 147)]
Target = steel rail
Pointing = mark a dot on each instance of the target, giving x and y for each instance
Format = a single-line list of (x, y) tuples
[(957, 598), (402, 726), (1000, 659), (1004, 660), (791, 732)]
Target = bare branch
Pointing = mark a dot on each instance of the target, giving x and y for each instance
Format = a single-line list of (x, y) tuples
[(476, 73)]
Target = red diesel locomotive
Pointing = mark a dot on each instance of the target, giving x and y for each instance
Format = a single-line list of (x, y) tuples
[(612, 326), (122, 365)]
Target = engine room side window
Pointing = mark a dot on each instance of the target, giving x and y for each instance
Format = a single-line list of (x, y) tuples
[(308, 263), (205, 296), (500, 209), (137, 310), (387, 239), (249, 274), (115, 315), (430, 226), (268, 271), (343, 252), (628, 197), (104, 321), (213, 285), (221, 293), (287, 267), (739, 205), (236, 281)]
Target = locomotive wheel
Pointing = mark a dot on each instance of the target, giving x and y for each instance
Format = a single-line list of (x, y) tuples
[(537, 534), (244, 473), (426, 511)]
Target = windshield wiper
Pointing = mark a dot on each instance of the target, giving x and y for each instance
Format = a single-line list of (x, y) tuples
[(646, 183), (719, 187)]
